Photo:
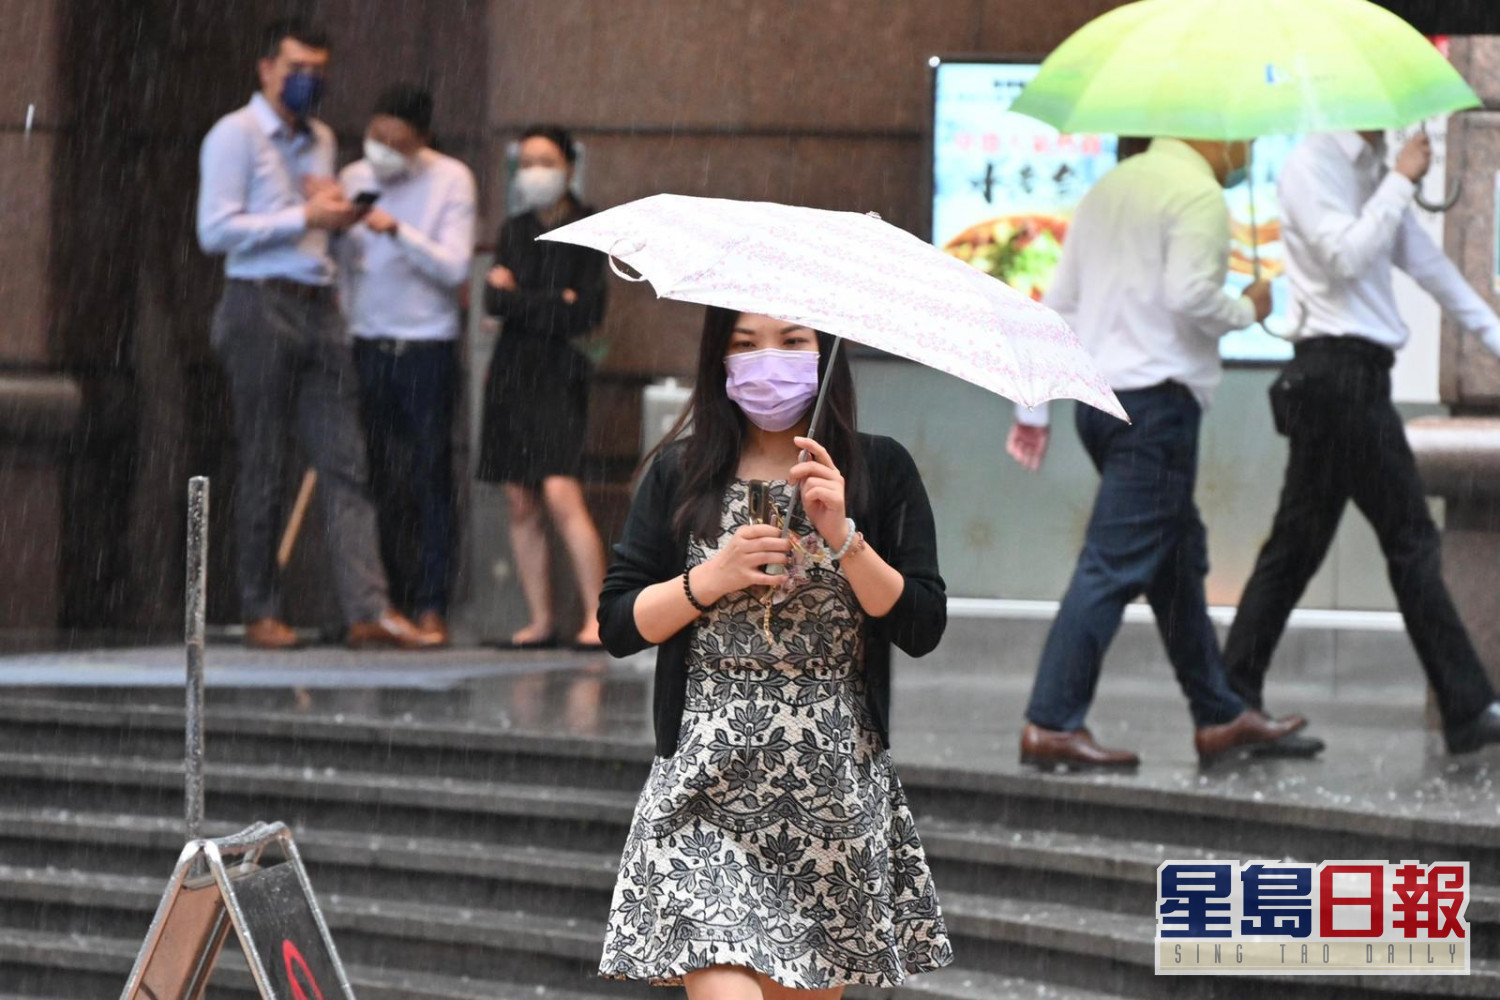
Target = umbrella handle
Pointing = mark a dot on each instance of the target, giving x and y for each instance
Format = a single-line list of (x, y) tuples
[(1454, 194), (812, 427)]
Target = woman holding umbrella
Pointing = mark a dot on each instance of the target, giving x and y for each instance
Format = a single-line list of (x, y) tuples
[(772, 851)]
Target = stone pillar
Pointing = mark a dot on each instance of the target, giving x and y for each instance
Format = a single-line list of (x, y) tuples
[(32, 453), (1469, 373)]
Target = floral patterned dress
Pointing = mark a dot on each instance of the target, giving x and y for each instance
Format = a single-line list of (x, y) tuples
[(777, 837)]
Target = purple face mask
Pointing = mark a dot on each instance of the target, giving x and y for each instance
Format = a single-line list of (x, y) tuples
[(773, 388)]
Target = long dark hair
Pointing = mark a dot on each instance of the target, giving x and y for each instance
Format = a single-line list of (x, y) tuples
[(710, 451)]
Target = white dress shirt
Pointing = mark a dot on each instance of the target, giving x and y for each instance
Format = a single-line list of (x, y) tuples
[(405, 286), (250, 197), (1346, 220), (1142, 274)]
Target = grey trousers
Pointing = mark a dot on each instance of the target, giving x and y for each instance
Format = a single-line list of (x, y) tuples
[(291, 367)]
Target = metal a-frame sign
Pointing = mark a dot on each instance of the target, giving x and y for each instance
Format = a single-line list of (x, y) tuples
[(233, 882), (252, 881)]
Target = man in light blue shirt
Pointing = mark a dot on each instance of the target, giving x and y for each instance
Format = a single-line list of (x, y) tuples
[(400, 272), (268, 202)]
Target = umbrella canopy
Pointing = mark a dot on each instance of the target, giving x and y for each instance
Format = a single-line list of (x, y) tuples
[(852, 276), (1237, 69)]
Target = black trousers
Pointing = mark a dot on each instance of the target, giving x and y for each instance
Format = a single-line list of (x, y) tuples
[(408, 391), (1333, 402)]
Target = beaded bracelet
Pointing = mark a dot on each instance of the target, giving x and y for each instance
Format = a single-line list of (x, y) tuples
[(848, 540), (687, 588)]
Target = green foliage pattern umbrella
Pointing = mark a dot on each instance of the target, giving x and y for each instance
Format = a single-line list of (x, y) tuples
[(1237, 69)]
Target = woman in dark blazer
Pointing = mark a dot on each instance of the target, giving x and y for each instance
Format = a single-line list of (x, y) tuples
[(536, 394), (772, 850)]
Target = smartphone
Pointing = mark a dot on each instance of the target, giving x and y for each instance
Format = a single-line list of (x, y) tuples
[(760, 501), (366, 198), (762, 511)]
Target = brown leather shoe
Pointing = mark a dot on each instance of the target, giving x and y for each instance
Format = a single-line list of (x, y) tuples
[(1248, 729), (392, 629), (1072, 751), (270, 633), (433, 623)]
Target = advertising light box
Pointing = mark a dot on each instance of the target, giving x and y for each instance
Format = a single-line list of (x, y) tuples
[(1005, 187)]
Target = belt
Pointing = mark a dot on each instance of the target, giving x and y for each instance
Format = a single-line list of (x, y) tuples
[(396, 347), (1169, 387), (1350, 346), (285, 286)]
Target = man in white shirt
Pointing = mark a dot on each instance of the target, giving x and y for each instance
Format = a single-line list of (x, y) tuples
[(1346, 221), (268, 202), (1142, 282), (401, 270)]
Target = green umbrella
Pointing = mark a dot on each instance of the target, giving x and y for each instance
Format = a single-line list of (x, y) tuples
[(1237, 69)]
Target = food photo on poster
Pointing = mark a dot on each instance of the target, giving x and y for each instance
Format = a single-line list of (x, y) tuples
[(1005, 186)]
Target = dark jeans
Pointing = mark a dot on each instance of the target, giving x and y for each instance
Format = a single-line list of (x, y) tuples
[(290, 367), (1145, 536), (1333, 401), (408, 391)]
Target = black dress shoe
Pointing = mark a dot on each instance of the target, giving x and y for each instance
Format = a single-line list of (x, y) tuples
[(1294, 746), (1474, 734)]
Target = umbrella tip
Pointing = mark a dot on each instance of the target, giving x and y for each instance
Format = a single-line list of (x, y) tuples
[(875, 216)]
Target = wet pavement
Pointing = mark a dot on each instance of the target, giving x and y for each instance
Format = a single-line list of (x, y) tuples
[(959, 709)]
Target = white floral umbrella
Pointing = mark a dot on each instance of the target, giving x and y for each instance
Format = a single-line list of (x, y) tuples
[(852, 276)]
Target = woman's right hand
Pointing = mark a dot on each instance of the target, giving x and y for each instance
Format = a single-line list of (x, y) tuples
[(741, 563), (502, 278)]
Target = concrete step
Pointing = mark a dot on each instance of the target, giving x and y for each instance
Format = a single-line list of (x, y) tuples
[(394, 749), (1095, 871), (486, 812), (959, 983), (545, 880), (505, 880), (974, 856), (111, 958), (108, 960), (1080, 946), (411, 936), (1100, 872), (386, 746), (991, 935)]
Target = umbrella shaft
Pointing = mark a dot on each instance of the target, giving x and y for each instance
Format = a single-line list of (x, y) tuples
[(1254, 229), (812, 429)]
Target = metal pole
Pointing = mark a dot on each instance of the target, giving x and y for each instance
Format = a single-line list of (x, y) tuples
[(812, 430), (1254, 228), (197, 584)]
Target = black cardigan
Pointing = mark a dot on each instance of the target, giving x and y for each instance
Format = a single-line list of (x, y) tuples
[(898, 526)]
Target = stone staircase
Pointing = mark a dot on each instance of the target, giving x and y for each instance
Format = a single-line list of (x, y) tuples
[(458, 863)]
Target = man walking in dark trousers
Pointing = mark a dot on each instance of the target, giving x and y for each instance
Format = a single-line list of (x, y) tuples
[(1346, 221), (268, 202), (1142, 282)]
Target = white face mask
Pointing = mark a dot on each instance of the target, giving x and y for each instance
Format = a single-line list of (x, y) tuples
[(386, 162), (539, 187)]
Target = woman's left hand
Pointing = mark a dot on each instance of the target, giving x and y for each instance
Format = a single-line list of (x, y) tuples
[(822, 492)]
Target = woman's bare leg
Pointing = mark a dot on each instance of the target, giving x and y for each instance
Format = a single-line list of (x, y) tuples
[(723, 982), (570, 514), (731, 982), (528, 542), (771, 990)]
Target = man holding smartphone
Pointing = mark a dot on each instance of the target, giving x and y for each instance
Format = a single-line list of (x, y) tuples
[(402, 269), (268, 202)]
